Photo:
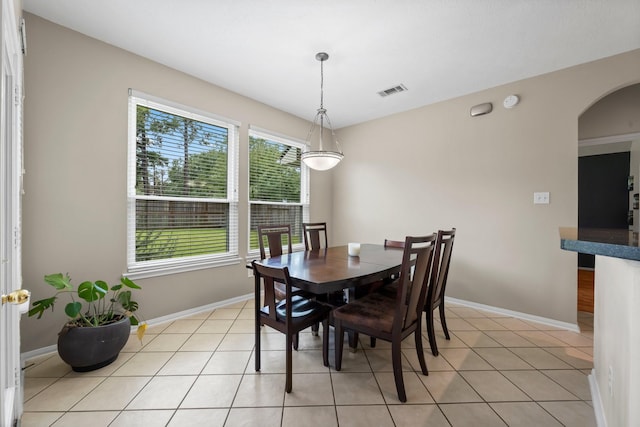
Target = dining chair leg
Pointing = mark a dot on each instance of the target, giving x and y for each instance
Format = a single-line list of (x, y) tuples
[(295, 341), (372, 342), (420, 350), (443, 321), (314, 329), (325, 342), (396, 357), (289, 364), (431, 332), (339, 338), (257, 343)]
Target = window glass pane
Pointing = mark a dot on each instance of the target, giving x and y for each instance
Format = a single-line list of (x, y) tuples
[(178, 156), (173, 229), (277, 185)]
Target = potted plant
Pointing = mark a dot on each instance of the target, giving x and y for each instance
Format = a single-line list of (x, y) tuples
[(100, 319)]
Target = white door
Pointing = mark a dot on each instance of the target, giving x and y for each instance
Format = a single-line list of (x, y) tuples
[(10, 230)]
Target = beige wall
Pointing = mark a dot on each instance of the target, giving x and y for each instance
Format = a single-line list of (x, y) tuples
[(616, 114), (75, 158), (437, 167)]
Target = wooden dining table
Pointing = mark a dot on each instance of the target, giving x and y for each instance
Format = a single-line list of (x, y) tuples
[(328, 270)]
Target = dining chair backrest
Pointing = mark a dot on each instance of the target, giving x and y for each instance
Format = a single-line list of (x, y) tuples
[(274, 234), (413, 280), (313, 235), (440, 270), (393, 243)]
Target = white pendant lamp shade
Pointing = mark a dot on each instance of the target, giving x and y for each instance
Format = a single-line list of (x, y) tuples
[(321, 159)]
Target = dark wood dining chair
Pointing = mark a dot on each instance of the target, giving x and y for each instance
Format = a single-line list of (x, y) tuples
[(315, 235), (289, 315), (438, 284), (392, 318)]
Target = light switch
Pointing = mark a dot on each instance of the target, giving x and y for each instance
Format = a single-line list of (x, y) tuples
[(541, 198)]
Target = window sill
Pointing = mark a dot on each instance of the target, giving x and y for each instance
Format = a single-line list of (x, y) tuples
[(163, 270)]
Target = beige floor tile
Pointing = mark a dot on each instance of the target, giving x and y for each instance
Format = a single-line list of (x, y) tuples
[(459, 324), (524, 414), (310, 390), (212, 391), (39, 419), (215, 326), (227, 314), (308, 341), (63, 394), (464, 359), (247, 313), (573, 380), (573, 356), (151, 418), (163, 393), (202, 315), (364, 416), (183, 326), (242, 326), (434, 363), (492, 386), (166, 342), (202, 342), (471, 414), (228, 362), (51, 367), (538, 386), (356, 389), (93, 419), (144, 364), (270, 339), (442, 341), (571, 414), (509, 339), (199, 417), (134, 345), (233, 342), (514, 324), (477, 339), (572, 338), (418, 415), (414, 388), (33, 386), (351, 362), (485, 324), (157, 328), (449, 387), (502, 358), (541, 338), (467, 312), (309, 416), (247, 417), (380, 360), (260, 390), (186, 363), (241, 304), (539, 358), (112, 394)]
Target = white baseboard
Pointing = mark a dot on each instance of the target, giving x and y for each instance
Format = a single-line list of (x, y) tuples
[(152, 322), (596, 400), (524, 316)]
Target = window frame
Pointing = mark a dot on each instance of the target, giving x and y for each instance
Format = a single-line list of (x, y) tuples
[(143, 269), (305, 192)]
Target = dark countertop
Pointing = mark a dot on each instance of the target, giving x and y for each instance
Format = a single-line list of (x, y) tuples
[(615, 243)]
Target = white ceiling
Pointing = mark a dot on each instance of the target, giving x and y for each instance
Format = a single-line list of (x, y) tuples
[(439, 49)]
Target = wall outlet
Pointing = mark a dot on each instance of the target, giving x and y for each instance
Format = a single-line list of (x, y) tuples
[(541, 198)]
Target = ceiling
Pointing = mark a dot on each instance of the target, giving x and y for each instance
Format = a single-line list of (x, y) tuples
[(438, 49)]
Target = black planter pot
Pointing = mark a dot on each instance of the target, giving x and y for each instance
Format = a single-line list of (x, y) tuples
[(89, 348)]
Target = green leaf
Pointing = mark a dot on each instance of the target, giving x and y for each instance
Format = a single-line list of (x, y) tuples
[(38, 307), (116, 287), (129, 283), (90, 291), (73, 309), (58, 281)]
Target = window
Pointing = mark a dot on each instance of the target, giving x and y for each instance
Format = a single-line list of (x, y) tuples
[(278, 184), (182, 188)]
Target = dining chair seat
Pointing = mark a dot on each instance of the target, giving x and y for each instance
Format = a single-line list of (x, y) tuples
[(300, 307)]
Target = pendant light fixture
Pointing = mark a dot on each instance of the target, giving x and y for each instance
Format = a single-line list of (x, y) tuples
[(321, 159)]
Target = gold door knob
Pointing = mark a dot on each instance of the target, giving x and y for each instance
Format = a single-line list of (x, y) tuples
[(16, 297)]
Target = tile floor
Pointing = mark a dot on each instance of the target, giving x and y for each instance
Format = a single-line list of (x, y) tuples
[(495, 371)]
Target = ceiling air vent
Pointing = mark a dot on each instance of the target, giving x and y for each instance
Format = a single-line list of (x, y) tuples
[(392, 90)]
